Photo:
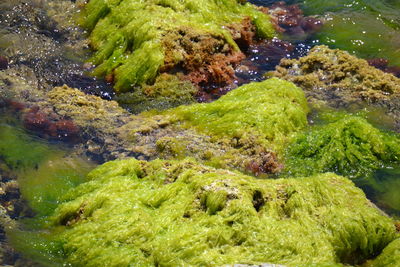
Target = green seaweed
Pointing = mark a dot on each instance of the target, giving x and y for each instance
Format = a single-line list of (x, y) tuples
[(349, 146), (43, 186), (390, 256), (180, 213), (45, 172), (271, 110), (128, 34)]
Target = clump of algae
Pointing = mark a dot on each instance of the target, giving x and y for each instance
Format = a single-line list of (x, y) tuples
[(349, 146), (130, 35), (390, 256), (271, 110), (180, 213)]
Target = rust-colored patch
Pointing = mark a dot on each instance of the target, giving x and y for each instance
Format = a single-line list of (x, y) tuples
[(265, 163), (382, 64), (290, 20)]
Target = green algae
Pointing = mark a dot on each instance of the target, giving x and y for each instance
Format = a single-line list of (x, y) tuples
[(390, 256), (43, 186), (171, 213), (349, 146), (45, 172), (271, 110), (128, 35)]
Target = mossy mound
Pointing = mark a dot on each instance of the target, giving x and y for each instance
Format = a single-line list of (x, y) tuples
[(349, 146), (248, 126), (135, 40), (272, 109), (175, 213)]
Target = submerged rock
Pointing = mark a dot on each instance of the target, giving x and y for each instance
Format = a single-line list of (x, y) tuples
[(136, 40), (340, 80), (182, 213)]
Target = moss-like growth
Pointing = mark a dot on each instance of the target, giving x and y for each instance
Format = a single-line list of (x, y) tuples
[(168, 91), (271, 110), (349, 146), (390, 256), (135, 39), (172, 213)]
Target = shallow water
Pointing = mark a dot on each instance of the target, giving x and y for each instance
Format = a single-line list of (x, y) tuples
[(46, 170)]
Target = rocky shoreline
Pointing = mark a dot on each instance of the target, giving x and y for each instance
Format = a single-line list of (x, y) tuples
[(247, 130)]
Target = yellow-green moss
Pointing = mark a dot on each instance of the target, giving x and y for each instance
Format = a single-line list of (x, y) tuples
[(175, 213), (128, 34)]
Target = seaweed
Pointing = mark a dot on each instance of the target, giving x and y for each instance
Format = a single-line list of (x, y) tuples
[(349, 146), (135, 40), (177, 213)]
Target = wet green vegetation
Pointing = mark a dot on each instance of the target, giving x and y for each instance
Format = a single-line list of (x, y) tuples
[(183, 213), (347, 145), (134, 39), (43, 172), (322, 167), (271, 110)]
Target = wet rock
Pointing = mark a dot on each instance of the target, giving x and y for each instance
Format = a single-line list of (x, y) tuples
[(337, 79), (3, 63), (290, 20), (43, 36)]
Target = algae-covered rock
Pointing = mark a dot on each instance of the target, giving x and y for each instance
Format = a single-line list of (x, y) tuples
[(349, 146), (248, 126), (168, 91), (180, 213), (135, 40), (271, 110), (338, 79), (245, 128)]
